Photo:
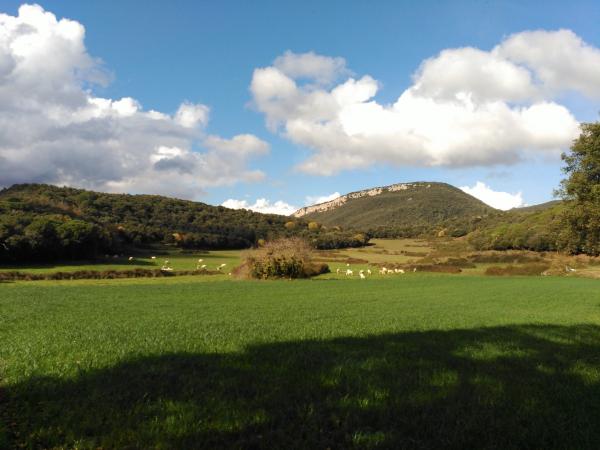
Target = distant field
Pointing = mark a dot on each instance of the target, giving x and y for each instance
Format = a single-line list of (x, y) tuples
[(380, 253), (419, 361)]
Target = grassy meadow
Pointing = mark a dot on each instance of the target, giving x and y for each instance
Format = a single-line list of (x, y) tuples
[(178, 260), (422, 360)]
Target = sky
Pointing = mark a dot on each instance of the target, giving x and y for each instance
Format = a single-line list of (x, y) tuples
[(275, 105)]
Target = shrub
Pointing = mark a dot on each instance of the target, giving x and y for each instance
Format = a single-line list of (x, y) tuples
[(505, 257), (526, 269), (283, 258), (436, 268), (99, 274), (313, 226), (458, 262)]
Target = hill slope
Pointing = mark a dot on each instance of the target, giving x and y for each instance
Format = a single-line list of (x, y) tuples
[(46, 222), (36, 220), (401, 209), (536, 227)]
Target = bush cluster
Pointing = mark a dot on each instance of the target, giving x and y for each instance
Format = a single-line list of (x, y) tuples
[(98, 274), (282, 258), (526, 269)]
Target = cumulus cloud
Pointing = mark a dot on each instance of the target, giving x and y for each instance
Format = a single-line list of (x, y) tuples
[(309, 65), (54, 129), (264, 205), (560, 60), (261, 205), (496, 199), (310, 200), (466, 106), (245, 144)]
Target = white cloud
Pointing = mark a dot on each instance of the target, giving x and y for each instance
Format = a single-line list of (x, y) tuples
[(246, 144), (54, 129), (190, 116), (466, 107), (560, 60), (310, 200), (496, 199), (310, 65), (469, 72), (262, 205)]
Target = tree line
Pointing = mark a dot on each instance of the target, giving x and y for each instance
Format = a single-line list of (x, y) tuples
[(44, 222)]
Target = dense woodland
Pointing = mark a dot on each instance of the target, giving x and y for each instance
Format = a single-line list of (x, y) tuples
[(42, 222), (538, 228)]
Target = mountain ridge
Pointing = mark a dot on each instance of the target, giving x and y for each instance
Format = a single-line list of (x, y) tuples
[(371, 192), (401, 209)]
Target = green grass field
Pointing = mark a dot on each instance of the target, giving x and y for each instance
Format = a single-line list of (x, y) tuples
[(177, 261), (421, 361)]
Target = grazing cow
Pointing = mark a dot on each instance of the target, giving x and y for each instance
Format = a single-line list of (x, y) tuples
[(349, 273), (362, 276)]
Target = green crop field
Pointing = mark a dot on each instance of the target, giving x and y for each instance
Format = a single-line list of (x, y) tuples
[(418, 361), (177, 260)]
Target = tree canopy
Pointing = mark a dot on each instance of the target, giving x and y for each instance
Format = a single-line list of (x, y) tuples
[(42, 222), (581, 192)]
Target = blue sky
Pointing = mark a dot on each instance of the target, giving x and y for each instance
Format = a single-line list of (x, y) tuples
[(206, 53)]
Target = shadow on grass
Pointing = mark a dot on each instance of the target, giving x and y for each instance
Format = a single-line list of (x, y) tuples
[(507, 387)]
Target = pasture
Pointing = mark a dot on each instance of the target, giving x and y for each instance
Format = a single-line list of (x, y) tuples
[(418, 361), (178, 260)]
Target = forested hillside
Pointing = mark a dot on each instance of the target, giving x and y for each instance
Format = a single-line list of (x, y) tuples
[(47, 222), (538, 228)]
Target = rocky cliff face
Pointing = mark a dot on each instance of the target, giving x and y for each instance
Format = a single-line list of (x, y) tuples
[(337, 202)]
